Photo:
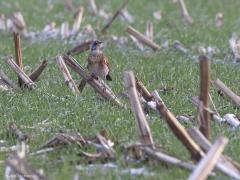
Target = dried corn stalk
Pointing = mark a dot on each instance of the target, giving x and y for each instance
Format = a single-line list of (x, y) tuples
[(142, 124)]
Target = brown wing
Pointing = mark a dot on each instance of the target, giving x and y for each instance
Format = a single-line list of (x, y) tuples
[(104, 60), (97, 59)]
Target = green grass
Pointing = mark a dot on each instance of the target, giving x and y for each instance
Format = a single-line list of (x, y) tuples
[(88, 113)]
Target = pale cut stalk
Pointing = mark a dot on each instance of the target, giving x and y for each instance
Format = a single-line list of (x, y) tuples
[(206, 165), (27, 81), (143, 39), (235, 98), (144, 131), (67, 76)]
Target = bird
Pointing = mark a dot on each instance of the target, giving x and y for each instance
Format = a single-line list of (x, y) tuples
[(98, 64)]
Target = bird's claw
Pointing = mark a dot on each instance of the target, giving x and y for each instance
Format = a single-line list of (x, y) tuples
[(92, 77)]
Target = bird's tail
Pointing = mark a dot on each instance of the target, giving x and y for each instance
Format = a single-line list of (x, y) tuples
[(108, 77)]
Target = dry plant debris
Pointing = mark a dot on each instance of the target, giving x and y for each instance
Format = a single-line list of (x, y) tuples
[(204, 116), (196, 142), (220, 85), (143, 39), (206, 165), (18, 168)]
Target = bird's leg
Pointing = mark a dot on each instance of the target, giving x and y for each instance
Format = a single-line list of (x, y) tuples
[(94, 76)]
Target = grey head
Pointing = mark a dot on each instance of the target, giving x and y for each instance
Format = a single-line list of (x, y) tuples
[(96, 45)]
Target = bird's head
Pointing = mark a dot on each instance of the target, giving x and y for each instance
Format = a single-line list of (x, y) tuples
[(96, 46)]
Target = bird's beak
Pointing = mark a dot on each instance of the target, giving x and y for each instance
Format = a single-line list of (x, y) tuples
[(101, 45)]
